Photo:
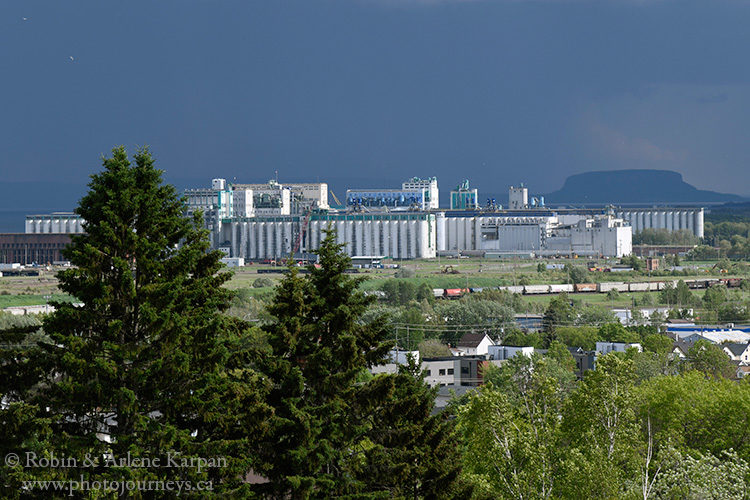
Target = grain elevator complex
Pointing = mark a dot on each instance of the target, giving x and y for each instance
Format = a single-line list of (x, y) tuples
[(275, 220)]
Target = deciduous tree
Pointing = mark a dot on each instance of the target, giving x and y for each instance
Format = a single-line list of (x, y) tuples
[(559, 313), (710, 359), (510, 432), (600, 424)]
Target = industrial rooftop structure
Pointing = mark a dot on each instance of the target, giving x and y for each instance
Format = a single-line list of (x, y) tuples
[(273, 220)]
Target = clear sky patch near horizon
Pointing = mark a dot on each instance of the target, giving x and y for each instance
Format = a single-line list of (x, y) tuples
[(365, 93)]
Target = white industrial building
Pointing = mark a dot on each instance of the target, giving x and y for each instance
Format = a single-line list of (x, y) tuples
[(215, 203), (464, 197), (602, 235), (218, 197), (518, 197), (57, 222), (671, 219), (223, 200), (415, 194), (242, 205), (273, 198), (607, 347), (503, 352), (429, 187), (397, 235), (411, 235), (538, 234), (265, 221)]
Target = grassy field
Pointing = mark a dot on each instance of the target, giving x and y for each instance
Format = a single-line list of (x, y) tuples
[(596, 299), (29, 290), (462, 273), (35, 285), (31, 300), (244, 278)]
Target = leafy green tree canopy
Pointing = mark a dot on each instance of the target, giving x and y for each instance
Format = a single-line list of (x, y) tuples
[(560, 312), (562, 355), (710, 359), (577, 274)]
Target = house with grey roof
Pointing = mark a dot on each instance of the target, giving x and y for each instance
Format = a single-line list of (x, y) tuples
[(738, 352), (472, 344)]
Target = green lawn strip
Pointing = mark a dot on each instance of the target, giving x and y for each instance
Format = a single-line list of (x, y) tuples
[(32, 300)]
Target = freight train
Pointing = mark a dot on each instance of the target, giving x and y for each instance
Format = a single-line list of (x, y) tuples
[(604, 287)]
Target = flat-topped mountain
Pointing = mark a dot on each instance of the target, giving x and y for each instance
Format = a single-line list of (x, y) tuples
[(633, 186)]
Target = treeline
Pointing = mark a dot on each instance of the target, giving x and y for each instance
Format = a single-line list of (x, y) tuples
[(412, 315), (151, 388), (729, 212), (653, 236), (723, 237), (152, 382), (717, 303), (727, 229), (416, 320), (730, 239), (531, 433)]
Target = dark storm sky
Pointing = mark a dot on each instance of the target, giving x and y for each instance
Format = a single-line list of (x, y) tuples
[(364, 93)]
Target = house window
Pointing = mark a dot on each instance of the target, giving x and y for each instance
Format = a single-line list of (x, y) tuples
[(429, 372), (441, 371), (450, 371)]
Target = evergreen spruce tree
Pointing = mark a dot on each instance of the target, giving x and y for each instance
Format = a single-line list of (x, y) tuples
[(317, 434), (559, 313), (415, 454), (147, 365), (22, 429)]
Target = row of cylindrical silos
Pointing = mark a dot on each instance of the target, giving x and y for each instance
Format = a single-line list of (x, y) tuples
[(456, 233), (407, 239), (68, 225), (465, 233), (260, 240), (671, 220)]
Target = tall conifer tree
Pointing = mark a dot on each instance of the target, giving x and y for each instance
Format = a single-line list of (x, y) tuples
[(147, 365), (415, 454), (321, 413), (22, 428)]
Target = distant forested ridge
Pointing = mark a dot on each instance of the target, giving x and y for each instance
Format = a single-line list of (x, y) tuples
[(633, 186)]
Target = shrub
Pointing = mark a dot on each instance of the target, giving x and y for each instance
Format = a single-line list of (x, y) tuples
[(262, 282)]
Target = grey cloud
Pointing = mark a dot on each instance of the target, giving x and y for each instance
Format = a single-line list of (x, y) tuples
[(713, 98), (619, 146), (407, 3)]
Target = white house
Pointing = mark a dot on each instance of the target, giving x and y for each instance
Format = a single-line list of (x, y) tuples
[(475, 343), (738, 352)]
